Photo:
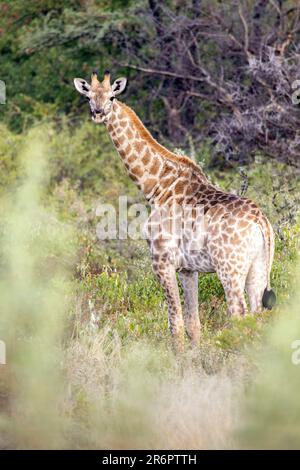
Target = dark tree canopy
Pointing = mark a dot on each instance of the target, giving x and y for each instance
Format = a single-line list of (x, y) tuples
[(201, 71)]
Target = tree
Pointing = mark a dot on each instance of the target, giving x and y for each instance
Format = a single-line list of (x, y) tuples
[(205, 70), (226, 72)]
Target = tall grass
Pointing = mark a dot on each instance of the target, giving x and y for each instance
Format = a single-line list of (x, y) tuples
[(140, 396), (34, 275), (271, 417), (116, 383)]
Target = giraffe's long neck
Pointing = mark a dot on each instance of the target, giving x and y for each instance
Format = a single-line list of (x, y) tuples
[(154, 169)]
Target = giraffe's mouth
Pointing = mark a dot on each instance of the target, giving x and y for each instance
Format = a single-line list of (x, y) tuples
[(98, 118)]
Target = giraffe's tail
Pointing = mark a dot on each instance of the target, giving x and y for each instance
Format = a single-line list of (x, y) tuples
[(269, 296)]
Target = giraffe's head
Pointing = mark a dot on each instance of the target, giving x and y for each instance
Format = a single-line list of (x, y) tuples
[(100, 94)]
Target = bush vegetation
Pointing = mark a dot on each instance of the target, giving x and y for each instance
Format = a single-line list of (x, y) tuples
[(85, 322), (89, 358)]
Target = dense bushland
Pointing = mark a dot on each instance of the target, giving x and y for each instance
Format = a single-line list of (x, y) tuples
[(89, 359), (222, 73), (85, 321)]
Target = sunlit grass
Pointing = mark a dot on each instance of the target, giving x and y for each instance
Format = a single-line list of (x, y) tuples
[(89, 359)]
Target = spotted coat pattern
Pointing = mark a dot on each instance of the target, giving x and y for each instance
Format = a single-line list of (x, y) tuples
[(237, 240)]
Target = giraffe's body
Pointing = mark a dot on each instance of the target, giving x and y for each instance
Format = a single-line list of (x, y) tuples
[(236, 240)]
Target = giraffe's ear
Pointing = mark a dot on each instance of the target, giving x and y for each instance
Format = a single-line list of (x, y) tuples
[(119, 86), (82, 86)]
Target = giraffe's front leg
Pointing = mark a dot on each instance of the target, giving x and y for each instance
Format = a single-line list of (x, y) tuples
[(189, 282), (166, 274)]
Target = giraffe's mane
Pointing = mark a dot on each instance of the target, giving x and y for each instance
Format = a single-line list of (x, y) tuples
[(171, 156)]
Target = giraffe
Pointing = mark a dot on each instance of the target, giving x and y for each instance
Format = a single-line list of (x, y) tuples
[(237, 240)]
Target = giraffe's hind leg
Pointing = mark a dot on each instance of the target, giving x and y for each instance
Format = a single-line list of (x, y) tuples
[(234, 288), (189, 282), (256, 283)]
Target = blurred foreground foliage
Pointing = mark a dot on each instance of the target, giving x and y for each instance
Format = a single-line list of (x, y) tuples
[(90, 363), (89, 360)]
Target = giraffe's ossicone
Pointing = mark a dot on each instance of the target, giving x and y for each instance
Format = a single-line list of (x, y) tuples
[(193, 226)]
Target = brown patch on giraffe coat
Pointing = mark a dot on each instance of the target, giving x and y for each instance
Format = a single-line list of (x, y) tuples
[(131, 158), (202, 187), (149, 185), (243, 224), (127, 150), (137, 170), (118, 131), (231, 220), (165, 197), (179, 199), (235, 239), (154, 166), (166, 182), (179, 187), (146, 158), (121, 140), (139, 146), (193, 187), (129, 134)]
